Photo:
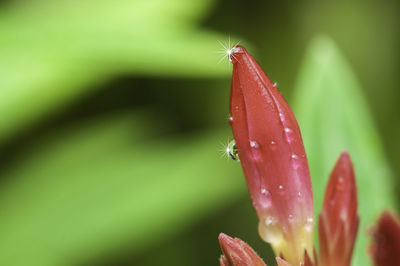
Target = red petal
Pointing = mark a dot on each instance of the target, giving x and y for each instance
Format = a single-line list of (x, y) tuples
[(273, 159), (237, 253), (310, 262), (338, 222), (385, 248)]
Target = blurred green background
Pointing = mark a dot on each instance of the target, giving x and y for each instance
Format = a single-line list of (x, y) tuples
[(114, 115)]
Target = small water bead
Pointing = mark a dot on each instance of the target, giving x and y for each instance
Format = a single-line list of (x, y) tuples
[(273, 145), (265, 199), (270, 221), (254, 144), (231, 150), (340, 184), (291, 218), (230, 119), (270, 231), (264, 191), (230, 53), (288, 130), (281, 190), (299, 195), (296, 162), (289, 134), (309, 224)]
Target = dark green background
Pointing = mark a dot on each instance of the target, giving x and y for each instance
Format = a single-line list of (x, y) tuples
[(114, 115)]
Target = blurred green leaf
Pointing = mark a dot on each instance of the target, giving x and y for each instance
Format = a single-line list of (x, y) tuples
[(112, 184), (54, 51), (333, 116)]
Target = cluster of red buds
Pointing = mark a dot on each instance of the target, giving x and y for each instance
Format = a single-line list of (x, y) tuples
[(268, 143)]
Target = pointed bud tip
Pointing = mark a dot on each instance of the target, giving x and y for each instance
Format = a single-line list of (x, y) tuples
[(237, 252), (235, 52)]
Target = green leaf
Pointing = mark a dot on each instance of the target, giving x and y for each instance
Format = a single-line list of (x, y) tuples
[(334, 116), (52, 52), (108, 185)]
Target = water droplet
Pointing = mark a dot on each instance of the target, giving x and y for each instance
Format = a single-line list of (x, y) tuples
[(254, 144), (270, 221), (270, 231), (265, 199), (275, 84), (231, 150), (295, 161), (289, 134), (281, 190), (273, 145), (309, 224), (291, 218), (299, 195), (340, 184), (230, 119)]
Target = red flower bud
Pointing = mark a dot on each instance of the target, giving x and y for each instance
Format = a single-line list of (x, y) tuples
[(237, 253), (385, 248), (338, 222), (273, 159)]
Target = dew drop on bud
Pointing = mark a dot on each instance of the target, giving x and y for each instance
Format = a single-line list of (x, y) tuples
[(340, 184), (270, 221), (231, 150), (254, 144), (299, 195), (265, 199), (309, 224)]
